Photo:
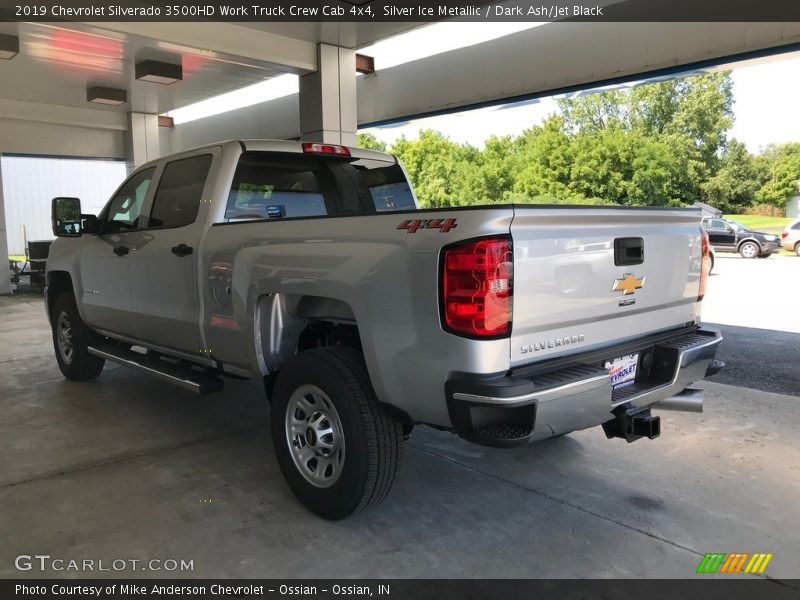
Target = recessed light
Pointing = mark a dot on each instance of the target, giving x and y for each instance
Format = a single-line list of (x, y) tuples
[(9, 46), (105, 95), (158, 72)]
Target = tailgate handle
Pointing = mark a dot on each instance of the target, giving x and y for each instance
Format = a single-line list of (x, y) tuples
[(628, 251)]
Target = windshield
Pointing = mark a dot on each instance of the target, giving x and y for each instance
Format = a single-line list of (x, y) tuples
[(736, 225)]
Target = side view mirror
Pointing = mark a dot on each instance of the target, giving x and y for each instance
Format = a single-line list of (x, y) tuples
[(66, 217)]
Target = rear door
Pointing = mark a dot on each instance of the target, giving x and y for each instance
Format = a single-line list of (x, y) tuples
[(587, 278), (165, 303)]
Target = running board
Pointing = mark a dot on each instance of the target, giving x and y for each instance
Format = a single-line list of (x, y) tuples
[(172, 373)]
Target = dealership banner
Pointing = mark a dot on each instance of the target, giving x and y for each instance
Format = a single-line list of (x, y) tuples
[(366, 11), (403, 589)]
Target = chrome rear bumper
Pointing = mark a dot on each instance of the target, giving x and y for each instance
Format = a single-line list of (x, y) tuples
[(505, 411)]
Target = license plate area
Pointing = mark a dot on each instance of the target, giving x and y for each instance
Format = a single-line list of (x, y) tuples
[(622, 370)]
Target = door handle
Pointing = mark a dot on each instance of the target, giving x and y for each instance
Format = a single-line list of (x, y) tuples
[(121, 250), (182, 250)]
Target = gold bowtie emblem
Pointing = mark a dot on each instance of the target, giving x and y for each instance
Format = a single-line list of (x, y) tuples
[(628, 284)]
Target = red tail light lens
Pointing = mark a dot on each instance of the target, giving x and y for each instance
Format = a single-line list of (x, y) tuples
[(477, 287), (784, 235), (316, 148), (705, 269)]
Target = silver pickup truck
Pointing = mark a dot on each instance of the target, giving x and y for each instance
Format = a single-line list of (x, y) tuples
[(310, 266)]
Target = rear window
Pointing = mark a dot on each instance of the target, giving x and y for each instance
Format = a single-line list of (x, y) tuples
[(268, 185)]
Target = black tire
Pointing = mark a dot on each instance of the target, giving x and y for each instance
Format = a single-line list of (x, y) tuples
[(371, 444), (77, 365), (797, 248), (764, 255), (749, 250)]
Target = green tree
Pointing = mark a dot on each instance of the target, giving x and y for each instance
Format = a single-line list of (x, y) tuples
[(437, 168), (369, 141), (734, 186), (782, 180)]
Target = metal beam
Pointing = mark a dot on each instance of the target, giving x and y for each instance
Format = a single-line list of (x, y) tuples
[(243, 45)]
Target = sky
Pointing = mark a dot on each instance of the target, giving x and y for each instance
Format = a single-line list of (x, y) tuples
[(766, 95)]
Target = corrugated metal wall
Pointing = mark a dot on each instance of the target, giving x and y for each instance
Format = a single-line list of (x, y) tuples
[(30, 183)]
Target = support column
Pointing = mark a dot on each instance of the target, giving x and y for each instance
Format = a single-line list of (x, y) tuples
[(142, 139), (328, 98), (5, 273)]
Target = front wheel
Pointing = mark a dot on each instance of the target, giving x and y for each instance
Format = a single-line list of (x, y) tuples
[(336, 446), (71, 341), (749, 250)]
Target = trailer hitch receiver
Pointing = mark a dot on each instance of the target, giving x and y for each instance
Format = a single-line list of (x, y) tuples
[(632, 423)]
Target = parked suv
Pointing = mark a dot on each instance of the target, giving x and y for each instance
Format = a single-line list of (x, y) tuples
[(791, 237), (729, 236)]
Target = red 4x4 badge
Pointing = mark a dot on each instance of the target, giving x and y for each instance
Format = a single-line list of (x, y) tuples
[(443, 225)]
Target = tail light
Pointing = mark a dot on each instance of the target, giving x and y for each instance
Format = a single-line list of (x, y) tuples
[(706, 263), (784, 235), (477, 287), (332, 149)]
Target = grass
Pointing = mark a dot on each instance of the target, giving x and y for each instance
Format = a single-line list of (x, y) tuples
[(761, 223)]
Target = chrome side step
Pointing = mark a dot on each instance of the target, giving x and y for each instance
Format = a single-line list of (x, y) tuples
[(184, 377)]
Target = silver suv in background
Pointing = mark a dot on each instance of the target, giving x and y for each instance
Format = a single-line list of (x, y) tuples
[(790, 237)]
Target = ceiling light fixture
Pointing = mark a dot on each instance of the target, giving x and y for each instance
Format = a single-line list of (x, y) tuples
[(159, 72), (106, 95), (9, 46)]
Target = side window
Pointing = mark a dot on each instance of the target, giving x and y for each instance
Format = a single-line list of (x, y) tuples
[(179, 192), (125, 209), (264, 189), (719, 224), (796, 225)]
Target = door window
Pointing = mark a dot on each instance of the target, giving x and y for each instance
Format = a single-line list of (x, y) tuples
[(125, 209), (719, 224), (179, 192)]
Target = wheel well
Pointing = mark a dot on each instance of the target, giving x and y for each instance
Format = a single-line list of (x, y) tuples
[(58, 282), (327, 333), (743, 242)]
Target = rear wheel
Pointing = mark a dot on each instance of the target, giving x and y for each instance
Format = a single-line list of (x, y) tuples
[(336, 446), (749, 250), (71, 340), (797, 248)]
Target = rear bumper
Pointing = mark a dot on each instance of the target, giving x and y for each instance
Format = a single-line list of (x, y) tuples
[(511, 410)]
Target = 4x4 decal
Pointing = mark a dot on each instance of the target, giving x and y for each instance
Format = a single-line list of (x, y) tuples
[(443, 225)]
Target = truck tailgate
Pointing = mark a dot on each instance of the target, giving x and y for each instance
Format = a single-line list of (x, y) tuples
[(579, 283)]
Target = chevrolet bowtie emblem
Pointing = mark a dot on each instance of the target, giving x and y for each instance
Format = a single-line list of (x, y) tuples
[(628, 284)]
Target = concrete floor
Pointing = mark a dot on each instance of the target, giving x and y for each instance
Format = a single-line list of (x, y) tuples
[(129, 467)]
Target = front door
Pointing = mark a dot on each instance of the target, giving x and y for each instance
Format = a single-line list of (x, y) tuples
[(106, 258), (164, 263), (721, 235)]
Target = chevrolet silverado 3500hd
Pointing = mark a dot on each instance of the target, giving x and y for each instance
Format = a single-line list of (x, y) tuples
[(310, 266)]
